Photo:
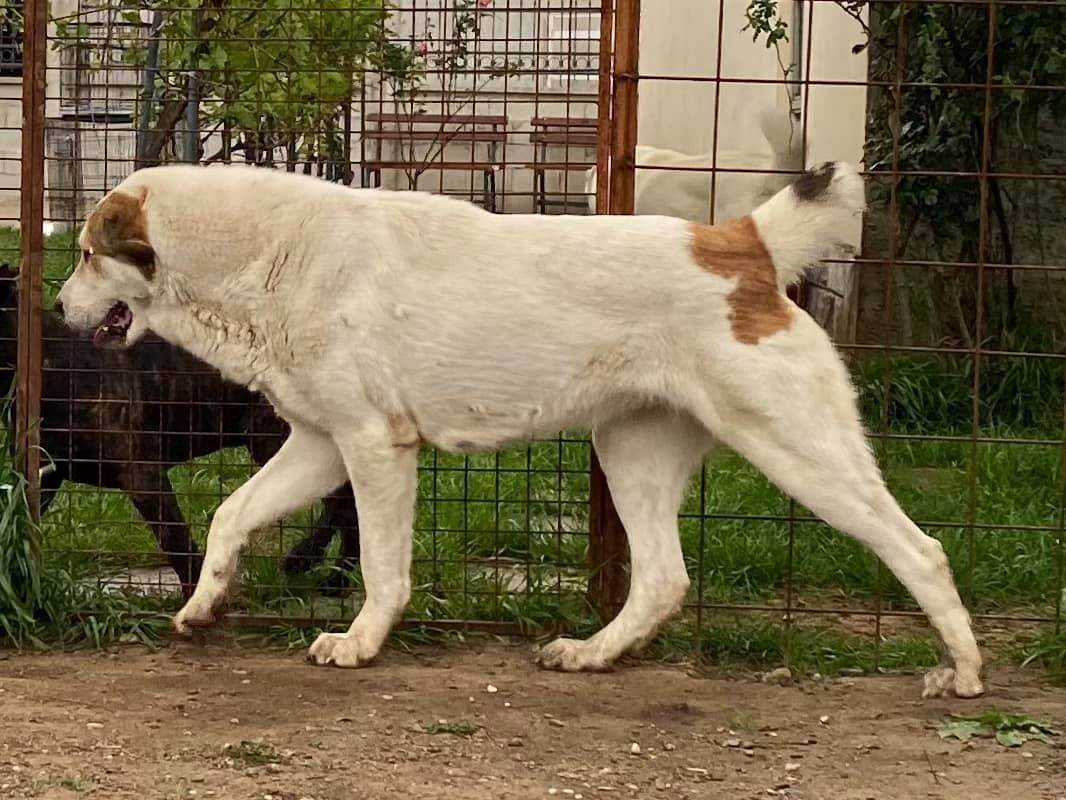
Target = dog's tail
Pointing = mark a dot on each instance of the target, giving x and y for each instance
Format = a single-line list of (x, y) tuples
[(808, 219), (784, 137)]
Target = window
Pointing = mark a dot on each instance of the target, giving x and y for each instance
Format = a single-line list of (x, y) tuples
[(11, 40), (572, 60)]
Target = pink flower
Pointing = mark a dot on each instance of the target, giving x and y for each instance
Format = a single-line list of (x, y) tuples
[(484, 3), (423, 49)]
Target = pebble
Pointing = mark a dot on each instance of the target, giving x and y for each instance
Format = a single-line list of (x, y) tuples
[(234, 721), (558, 723), (780, 676), (791, 766), (824, 719), (515, 742), (94, 725), (731, 743), (491, 689), (634, 749)]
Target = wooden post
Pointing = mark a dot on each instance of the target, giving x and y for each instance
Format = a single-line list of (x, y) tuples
[(608, 551), (31, 221)]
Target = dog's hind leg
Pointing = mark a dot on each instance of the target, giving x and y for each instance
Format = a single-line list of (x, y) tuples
[(308, 552), (648, 459), (342, 515), (153, 497), (306, 468), (338, 516), (794, 416)]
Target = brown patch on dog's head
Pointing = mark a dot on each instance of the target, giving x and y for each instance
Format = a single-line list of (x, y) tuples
[(117, 228), (734, 250)]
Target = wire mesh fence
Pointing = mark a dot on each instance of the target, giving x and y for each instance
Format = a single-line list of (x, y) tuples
[(496, 103), (947, 311)]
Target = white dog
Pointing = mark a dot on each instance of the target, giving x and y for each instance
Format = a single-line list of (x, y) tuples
[(679, 193), (380, 321)]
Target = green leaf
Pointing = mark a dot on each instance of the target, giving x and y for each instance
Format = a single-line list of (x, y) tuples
[(962, 729), (1011, 738)]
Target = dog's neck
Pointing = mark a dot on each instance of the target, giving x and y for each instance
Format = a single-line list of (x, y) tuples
[(213, 328)]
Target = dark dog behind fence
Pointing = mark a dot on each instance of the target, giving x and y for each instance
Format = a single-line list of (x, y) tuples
[(120, 419)]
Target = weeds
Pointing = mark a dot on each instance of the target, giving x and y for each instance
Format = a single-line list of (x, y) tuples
[(1009, 730), (250, 754)]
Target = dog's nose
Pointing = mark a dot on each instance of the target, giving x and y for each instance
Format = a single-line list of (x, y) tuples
[(59, 308)]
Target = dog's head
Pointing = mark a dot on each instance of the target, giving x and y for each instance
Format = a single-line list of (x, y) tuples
[(111, 288)]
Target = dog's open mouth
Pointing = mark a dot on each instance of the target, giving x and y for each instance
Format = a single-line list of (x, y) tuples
[(112, 331)]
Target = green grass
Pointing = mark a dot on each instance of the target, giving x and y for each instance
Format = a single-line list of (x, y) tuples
[(745, 641), (503, 536)]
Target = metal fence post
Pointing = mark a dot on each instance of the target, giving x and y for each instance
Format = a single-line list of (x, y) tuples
[(31, 222), (608, 551)]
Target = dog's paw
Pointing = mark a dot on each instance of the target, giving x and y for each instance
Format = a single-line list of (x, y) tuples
[(572, 655), (946, 681), (197, 614), (340, 650)]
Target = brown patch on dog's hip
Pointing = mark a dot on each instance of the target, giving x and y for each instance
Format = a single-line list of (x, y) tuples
[(734, 250)]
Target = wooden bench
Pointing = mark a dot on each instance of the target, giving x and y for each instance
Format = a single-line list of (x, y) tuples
[(437, 132), (565, 132)]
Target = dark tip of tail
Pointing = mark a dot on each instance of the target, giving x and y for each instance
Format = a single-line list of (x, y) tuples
[(812, 184)]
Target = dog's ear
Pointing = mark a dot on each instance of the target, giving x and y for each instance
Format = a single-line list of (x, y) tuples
[(118, 228)]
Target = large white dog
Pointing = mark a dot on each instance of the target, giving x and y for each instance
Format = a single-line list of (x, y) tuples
[(380, 321)]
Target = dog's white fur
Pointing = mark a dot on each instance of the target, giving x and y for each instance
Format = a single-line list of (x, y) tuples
[(375, 321), (676, 192)]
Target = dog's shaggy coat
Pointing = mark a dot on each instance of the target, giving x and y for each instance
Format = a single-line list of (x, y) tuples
[(378, 321)]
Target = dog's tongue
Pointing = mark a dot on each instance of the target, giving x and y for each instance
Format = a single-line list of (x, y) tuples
[(115, 326)]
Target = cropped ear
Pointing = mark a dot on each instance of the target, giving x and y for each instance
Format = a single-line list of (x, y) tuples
[(118, 228)]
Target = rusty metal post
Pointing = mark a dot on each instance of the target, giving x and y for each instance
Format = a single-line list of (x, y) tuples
[(604, 107), (608, 551), (31, 221), (624, 107)]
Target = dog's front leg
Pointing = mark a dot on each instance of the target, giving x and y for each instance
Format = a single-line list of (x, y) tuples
[(307, 467), (384, 475)]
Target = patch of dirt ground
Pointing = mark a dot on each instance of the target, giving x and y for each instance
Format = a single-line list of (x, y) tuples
[(479, 722)]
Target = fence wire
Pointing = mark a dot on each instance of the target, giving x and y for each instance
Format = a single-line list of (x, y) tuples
[(947, 311)]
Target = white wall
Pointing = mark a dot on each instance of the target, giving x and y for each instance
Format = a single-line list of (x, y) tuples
[(680, 38)]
